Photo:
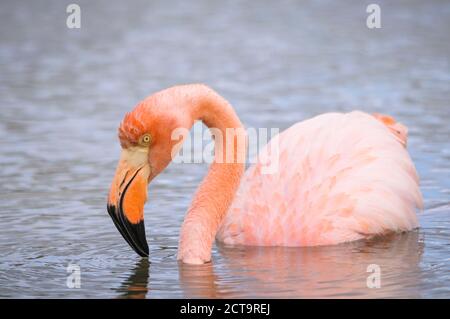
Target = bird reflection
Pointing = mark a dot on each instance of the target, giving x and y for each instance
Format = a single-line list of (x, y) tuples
[(136, 285), (198, 281), (339, 271)]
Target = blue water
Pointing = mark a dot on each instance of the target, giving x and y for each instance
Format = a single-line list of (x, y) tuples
[(63, 93)]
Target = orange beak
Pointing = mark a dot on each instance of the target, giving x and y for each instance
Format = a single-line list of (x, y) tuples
[(127, 197)]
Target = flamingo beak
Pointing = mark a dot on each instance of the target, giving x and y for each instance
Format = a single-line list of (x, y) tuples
[(127, 197)]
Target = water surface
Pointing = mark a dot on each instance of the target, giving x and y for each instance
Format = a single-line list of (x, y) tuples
[(63, 93)]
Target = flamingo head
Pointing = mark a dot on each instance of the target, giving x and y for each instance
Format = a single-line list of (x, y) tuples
[(145, 138)]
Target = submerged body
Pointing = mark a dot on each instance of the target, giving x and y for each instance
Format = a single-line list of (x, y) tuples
[(340, 177), (337, 178)]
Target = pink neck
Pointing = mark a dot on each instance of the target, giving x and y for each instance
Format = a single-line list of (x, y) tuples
[(216, 192)]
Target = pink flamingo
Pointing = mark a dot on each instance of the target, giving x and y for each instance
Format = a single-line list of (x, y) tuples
[(342, 177)]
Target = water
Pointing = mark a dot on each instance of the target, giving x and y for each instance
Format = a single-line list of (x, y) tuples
[(63, 93)]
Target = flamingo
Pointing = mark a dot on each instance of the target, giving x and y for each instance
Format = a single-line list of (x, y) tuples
[(341, 177)]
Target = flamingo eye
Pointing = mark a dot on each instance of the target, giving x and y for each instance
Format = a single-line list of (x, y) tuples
[(145, 139)]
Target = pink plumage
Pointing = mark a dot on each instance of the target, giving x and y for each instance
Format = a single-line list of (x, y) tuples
[(337, 178), (340, 177)]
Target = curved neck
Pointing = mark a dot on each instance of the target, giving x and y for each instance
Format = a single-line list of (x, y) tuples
[(216, 192)]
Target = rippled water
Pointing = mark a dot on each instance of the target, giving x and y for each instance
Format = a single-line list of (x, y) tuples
[(63, 93)]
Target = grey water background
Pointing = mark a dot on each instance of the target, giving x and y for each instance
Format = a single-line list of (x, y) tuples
[(64, 91)]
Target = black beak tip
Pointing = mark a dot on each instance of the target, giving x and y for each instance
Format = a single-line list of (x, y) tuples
[(144, 253), (138, 237), (134, 234)]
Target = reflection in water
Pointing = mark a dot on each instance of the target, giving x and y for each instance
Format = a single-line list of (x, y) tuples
[(333, 271), (198, 281), (136, 285)]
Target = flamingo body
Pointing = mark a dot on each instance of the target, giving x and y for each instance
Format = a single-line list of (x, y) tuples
[(333, 178), (340, 177)]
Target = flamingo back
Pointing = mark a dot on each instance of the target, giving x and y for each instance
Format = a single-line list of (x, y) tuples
[(340, 177)]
